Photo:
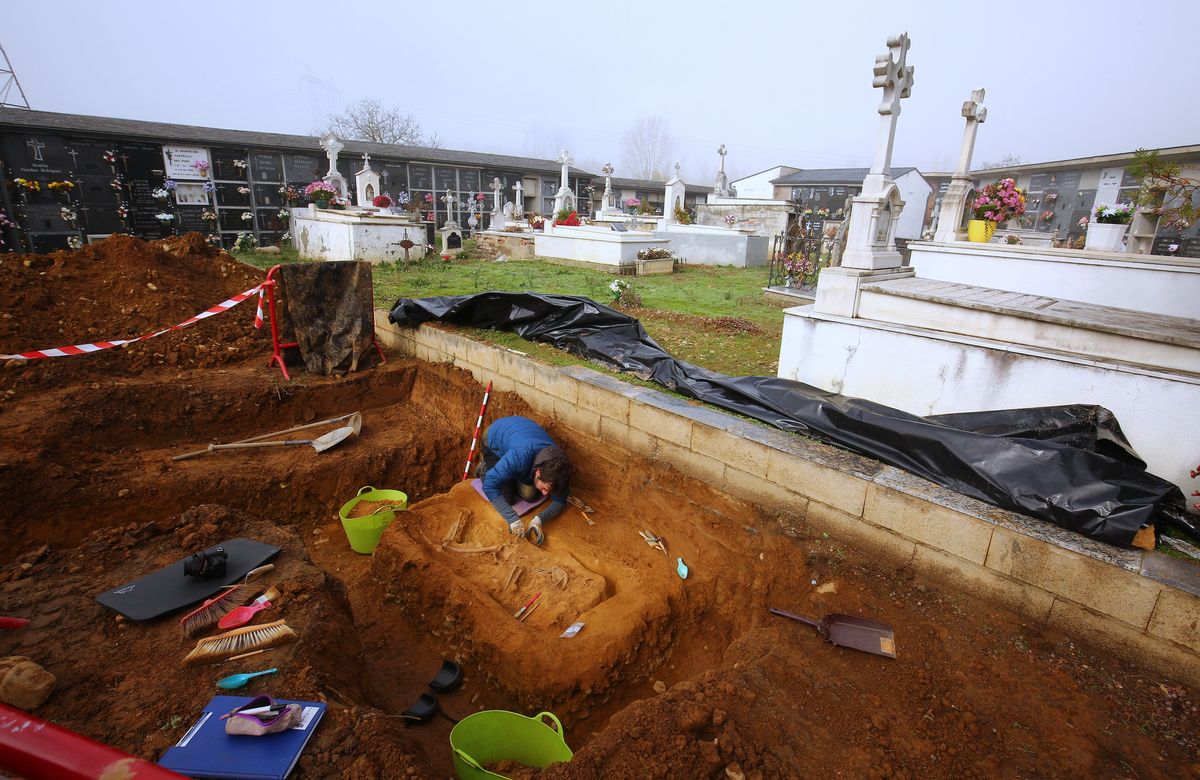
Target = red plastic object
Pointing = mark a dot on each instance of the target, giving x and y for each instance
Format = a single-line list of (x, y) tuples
[(36, 749), (12, 622), (277, 346)]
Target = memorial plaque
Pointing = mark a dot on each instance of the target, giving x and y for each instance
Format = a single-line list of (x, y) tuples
[(231, 219), (268, 219), (268, 239), (43, 243), (1084, 199), (420, 177), (180, 161), (469, 180), (266, 166), (189, 219), (142, 161), (267, 195), (191, 193), (303, 168), (96, 189), (37, 156), (393, 177), (446, 179), (143, 206), (102, 219), (1073, 226), (225, 164), (89, 157), (1129, 180), (229, 197), (43, 217)]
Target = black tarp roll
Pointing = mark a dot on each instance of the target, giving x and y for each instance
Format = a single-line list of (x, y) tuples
[(1070, 465)]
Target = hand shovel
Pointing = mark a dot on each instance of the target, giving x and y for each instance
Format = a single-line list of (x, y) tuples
[(870, 636)]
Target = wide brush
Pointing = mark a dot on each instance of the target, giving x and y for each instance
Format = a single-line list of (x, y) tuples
[(221, 646), (220, 605)]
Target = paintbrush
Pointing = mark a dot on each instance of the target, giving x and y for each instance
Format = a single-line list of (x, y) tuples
[(211, 611), (529, 611), (221, 646), (521, 611)]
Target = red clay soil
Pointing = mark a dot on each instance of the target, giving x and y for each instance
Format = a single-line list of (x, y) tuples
[(668, 678)]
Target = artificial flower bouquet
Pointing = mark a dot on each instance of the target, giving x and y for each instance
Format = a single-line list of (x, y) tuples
[(321, 193), (999, 201)]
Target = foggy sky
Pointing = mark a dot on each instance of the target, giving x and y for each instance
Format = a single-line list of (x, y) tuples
[(776, 82)]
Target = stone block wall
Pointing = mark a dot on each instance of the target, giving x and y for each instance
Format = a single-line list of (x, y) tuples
[(1143, 606)]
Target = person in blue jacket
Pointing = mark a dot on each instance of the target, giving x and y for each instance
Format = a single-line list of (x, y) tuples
[(521, 460)]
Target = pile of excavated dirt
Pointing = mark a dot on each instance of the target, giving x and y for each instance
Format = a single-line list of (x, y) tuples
[(667, 678)]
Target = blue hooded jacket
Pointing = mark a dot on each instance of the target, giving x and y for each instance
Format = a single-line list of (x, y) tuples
[(516, 441)]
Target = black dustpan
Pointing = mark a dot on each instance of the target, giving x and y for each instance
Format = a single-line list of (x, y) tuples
[(448, 678)]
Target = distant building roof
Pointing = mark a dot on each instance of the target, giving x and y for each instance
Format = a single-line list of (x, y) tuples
[(651, 184), (1168, 153), (819, 176), (163, 131)]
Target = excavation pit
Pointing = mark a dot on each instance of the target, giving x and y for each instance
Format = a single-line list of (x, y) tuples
[(668, 677)]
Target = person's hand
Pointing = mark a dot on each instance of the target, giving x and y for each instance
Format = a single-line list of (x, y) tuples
[(535, 530), (516, 528)]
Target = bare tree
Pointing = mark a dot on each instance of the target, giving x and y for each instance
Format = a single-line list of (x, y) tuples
[(646, 148), (367, 120), (1007, 161)]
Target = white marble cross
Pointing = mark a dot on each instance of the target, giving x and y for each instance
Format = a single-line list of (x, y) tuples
[(975, 113), (895, 77), (721, 151), (332, 146), (366, 161), (677, 176), (496, 195), (564, 160)]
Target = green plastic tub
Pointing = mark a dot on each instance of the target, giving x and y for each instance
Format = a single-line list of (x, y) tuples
[(499, 735), (364, 532)]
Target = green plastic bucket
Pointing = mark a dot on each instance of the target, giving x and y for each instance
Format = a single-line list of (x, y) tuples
[(499, 735), (364, 532)]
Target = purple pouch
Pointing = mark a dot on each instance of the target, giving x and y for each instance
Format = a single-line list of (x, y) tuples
[(270, 719)]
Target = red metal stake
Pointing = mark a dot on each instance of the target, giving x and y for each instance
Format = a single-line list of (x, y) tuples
[(478, 427)]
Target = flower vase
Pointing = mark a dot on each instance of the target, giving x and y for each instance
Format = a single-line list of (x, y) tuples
[(980, 230), (1105, 237)]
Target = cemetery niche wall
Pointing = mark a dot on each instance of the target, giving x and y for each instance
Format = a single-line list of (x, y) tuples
[(152, 180)]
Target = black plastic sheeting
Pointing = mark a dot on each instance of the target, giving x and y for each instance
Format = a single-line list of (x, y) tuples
[(1070, 465)]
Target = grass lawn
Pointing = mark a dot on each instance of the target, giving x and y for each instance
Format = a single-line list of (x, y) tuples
[(717, 318)]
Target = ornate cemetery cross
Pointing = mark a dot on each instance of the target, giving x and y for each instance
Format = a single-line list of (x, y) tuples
[(896, 78)]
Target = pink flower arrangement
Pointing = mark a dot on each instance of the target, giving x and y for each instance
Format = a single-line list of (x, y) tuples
[(320, 192), (201, 167), (479, 197), (632, 203), (382, 201), (428, 198), (999, 201)]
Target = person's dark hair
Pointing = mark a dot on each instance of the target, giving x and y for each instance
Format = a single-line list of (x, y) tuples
[(554, 468)]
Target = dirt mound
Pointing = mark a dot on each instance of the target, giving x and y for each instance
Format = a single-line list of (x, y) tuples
[(728, 325), (122, 288)]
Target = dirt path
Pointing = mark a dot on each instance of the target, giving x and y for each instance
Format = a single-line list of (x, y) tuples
[(668, 678)]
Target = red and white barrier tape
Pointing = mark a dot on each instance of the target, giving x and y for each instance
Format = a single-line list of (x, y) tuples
[(83, 349)]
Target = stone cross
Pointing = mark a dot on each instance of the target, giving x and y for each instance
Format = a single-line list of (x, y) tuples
[(975, 113), (518, 198), (608, 171), (677, 176), (721, 151), (564, 160), (332, 147), (496, 205), (947, 225), (366, 161), (895, 77)]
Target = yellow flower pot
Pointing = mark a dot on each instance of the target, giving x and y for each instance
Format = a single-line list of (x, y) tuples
[(980, 230)]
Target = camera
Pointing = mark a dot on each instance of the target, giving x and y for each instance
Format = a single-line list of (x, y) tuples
[(208, 564)]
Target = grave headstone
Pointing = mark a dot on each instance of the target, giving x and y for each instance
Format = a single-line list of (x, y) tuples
[(420, 177), (229, 164), (36, 156), (302, 169), (180, 161), (955, 202)]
